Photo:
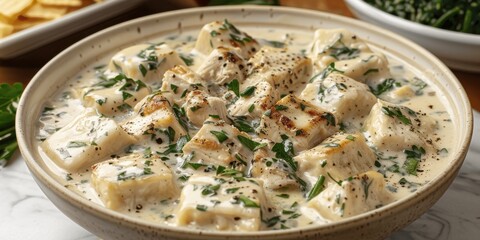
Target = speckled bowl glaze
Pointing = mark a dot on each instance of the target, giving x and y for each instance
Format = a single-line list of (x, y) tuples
[(108, 224)]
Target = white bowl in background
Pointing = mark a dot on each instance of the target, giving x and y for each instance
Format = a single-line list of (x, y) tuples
[(109, 224), (456, 49)]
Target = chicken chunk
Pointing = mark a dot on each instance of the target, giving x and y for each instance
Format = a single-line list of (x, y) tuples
[(154, 116), (275, 173), (395, 127), (132, 181), (339, 50), (262, 99), (91, 138), (199, 106), (346, 98), (222, 66), (363, 193), (146, 62), (181, 80), (305, 124), (285, 71), (226, 204), (114, 95), (218, 143), (339, 156), (224, 34)]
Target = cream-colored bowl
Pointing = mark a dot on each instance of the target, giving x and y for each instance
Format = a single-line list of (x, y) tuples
[(456, 49), (108, 224)]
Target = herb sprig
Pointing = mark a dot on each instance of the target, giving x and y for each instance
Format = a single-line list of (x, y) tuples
[(8, 107)]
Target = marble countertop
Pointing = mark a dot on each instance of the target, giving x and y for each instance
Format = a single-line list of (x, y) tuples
[(25, 212)]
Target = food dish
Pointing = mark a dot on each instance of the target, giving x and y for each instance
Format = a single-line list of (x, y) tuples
[(150, 26), (21, 42), (457, 50)]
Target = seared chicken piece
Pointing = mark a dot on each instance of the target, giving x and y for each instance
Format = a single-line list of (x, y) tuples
[(199, 106), (346, 98), (146, 62), (132, 181), (339, 50), (181, 80), (275, 173), (304, 123), (154, 116), (218, 143), (255, 105), (222, 66), (363, 193), (226, 204), (339, 156), (91, 138), (394, 127), (286, 71), (224, 34), (114, 95)]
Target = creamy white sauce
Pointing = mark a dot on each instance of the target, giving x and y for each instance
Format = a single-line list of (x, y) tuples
[(66, 105)]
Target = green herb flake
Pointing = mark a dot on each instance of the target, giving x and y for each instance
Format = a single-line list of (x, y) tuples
[(143, 70), (330, 118), (280, 107), (188, 60), (317, 188), (247, 202), (174, 88), (248, 91), (386, 85), (283, 195), (249, 143), (234, 86), (202, 208), (214, 33), (232, 190), (126, 95), (76, 144), (396, 112), (350, 137), (221, 136), (251, 108)]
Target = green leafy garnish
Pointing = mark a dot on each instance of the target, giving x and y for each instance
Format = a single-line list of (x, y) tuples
[(221, 136), (247, 202), (383, 87), (234, 86), (317, 188), (396, 112), (9, 97), (248, 91), (250, 144)]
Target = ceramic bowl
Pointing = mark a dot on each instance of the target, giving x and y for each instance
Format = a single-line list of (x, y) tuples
[(108, 224), (457, 50)]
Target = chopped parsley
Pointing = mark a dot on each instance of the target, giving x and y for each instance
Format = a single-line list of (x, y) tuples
[(249, 143), (221, 136), (317, 188)]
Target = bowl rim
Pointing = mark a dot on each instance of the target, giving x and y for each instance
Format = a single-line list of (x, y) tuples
[(108, 214), (413, 27)]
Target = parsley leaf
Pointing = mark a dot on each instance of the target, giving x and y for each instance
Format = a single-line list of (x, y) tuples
[(9, 97)]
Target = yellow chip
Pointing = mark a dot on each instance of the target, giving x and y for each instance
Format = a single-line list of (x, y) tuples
[(23, 23), (5, 29), (12, 8), (38, 10), (65, 3)]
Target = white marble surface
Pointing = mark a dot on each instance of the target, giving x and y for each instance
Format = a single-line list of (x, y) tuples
[(25, 212)]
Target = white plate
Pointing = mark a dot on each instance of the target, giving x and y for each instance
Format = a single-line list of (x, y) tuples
[(31, 38), (458, 50)]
